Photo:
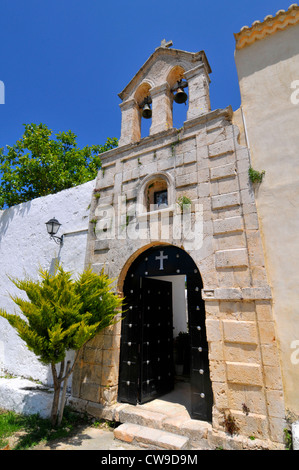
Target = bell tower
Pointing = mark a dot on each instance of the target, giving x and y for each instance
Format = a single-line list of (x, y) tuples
[(179, 206), (168, 75)]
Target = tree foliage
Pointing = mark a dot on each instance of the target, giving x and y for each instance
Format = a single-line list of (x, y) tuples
[(61, 314), (39, 164)]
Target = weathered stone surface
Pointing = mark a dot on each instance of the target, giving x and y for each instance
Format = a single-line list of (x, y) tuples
[(248, 353), (221, 148), (241, 373), (213, 330), (275, 401), (141, 417), (253, 424), (129, 432), (259, 293), (186, 180), (225, 200), (198, 84), (102, 245), (229, 225), (223, 171), (232, 258), (240, 331)]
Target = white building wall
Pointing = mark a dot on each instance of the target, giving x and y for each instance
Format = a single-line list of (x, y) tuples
[(25, 246), (267, 69)]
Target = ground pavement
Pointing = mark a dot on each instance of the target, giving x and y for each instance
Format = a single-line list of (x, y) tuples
[(88, 438)]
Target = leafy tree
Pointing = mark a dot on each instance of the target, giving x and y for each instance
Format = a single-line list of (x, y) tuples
[(62, 314), (38, 165)]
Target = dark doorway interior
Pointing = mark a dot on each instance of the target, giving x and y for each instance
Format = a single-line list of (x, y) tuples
[(149, 352)]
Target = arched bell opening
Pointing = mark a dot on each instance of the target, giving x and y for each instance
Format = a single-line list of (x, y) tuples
[(164, 322), (144, 102), (179, 91)]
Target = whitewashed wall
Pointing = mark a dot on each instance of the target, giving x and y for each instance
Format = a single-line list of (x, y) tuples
[(24, 247), (268, 70)]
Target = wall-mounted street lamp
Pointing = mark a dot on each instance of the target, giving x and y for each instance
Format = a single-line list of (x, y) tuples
[(52, 227)]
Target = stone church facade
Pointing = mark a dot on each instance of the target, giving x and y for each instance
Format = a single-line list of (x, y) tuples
[(229, 304), (190, 242)]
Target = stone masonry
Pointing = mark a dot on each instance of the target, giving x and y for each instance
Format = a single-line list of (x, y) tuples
[(204, 162)]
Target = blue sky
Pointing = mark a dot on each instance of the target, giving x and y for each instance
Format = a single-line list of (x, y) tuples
[(63, 62)]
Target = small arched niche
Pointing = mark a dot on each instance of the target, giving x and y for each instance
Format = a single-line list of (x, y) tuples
[(179, 111), (156, 193), (142, 92)]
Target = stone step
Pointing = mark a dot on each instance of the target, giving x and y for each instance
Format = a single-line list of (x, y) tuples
[(143, 417), (171, 422), (149, 438)]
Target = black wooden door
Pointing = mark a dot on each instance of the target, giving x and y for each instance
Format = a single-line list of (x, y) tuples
[(130, 343), (201, 387), (146, 365), (146, 359), (157, 368)]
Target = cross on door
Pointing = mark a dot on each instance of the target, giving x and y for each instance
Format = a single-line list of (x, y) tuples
[(161, 258)]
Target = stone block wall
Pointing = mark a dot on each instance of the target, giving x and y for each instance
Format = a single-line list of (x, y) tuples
[(204, 162), (245, 367), (95, 378)]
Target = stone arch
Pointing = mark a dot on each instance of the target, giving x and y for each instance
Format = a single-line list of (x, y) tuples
[(174, 75), (147, 331), (142, 91), (131, 259), (178, 111), (142, 202)]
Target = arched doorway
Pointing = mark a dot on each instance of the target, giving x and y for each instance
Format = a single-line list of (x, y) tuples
[(147, 344)]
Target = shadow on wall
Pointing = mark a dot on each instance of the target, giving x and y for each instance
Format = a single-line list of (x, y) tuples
[(54, 264), (7, 216)]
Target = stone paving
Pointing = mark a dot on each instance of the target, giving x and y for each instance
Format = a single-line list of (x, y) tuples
[(89, 438)]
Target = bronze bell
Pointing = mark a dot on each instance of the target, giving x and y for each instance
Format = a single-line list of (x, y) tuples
[(147, 112), (180, 97), (146, 109)]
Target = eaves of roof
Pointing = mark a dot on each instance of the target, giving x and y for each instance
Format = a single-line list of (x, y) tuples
[(271, 24)]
